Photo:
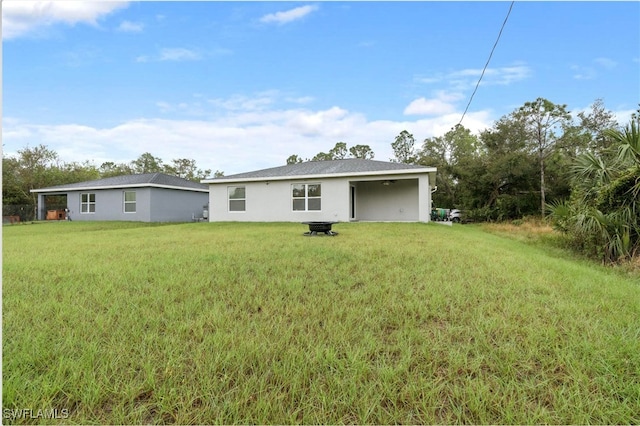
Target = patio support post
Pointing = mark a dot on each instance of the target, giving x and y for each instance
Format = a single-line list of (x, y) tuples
[(40, 207), (424, 198)]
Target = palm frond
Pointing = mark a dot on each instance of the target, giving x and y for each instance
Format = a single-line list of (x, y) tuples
[(591, 170), (560, 213), (629, 140)]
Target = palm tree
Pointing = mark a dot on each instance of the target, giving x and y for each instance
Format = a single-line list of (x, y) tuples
[(629, 141), (602, 216)]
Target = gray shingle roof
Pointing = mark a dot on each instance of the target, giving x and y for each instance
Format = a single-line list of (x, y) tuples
[(148, 179), (315, 168)]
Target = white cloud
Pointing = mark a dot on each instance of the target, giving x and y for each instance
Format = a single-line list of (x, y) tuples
[(606, 63), (179, 54), (289, 15), (244, 103), (623, 117), (130, 27), (302, 100), (443, 103), (492, 76), (21, 17), (164, 107), (240, 109), (308, 123), (428, 80), (424, 106), (467, 78), (247, 135), (583, 73), (591, 72)]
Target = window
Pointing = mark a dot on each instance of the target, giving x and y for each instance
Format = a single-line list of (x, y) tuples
[(237, 199), (87, 203), (129, 201), (306, 197)]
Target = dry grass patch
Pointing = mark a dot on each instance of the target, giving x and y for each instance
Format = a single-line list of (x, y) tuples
[(529, 229), (540, 232)]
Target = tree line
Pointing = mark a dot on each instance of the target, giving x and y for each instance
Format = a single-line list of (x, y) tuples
[(41, 167), (339, 152), (538, 160)]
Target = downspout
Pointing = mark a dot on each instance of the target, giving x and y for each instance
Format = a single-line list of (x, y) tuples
[(434, 189)]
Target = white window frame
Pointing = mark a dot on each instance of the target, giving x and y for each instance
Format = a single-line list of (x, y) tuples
[(306, 197), (87, 204), (231, 190), (125, 202)]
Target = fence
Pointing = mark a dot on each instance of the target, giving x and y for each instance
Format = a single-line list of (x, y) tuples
[(18, 213)]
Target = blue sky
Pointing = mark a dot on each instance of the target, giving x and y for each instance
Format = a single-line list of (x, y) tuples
[(240, 86)]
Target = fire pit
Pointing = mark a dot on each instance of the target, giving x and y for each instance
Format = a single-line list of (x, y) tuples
[(320, 228)]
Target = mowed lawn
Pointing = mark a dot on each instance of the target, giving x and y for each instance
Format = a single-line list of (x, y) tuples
[(125, 323)]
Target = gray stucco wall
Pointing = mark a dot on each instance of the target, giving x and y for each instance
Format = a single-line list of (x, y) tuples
[(152, 205), (110, 205), (169, 205)]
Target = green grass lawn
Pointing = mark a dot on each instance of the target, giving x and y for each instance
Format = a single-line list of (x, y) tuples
[(126, 323)]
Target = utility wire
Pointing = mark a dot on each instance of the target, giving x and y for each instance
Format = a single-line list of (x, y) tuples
[(487, 64)]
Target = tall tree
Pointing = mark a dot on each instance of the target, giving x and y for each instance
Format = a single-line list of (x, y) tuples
[(147, 163), (322, 156), (110, 169), (33, 170), (362, 151), (12, 192), (435, 152), (339, 151), (77, 172), (595, 123), (544, 123), (38, 167), (505, 174), (463, 159), (294, 159), (403, 148), (186, 168)]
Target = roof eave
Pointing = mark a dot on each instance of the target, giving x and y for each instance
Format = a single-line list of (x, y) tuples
[(322, 176), (138, 185)]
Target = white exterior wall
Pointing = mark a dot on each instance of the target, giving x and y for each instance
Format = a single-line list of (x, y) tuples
[(406, 200), (273, 202), (424, 198), (397, 202)]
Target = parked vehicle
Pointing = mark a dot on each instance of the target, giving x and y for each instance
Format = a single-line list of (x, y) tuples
[(439, 215), (455, 216), (446, 215)]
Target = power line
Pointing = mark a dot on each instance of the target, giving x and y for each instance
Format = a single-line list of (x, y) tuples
[(487, 64)]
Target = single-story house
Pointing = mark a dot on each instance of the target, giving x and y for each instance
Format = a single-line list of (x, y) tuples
[(151, 197), (336, 190)]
